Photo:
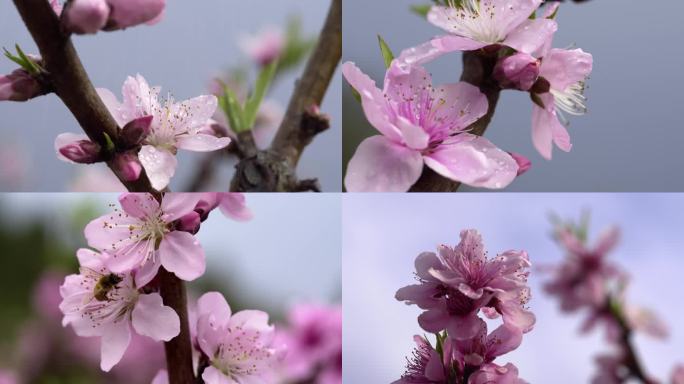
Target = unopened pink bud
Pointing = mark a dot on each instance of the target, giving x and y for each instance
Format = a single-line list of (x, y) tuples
[(127, 166), (82, 152), (524, 164), (127, 13), (19, 86), (189, 223), (136, 131), (86, 16), (265, 46), (519, 71)]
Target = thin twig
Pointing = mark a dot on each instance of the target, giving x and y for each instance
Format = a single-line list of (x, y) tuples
[(274, 170), (631, 357), (70, 80), (477, 70)]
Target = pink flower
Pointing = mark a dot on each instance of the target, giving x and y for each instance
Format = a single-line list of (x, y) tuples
[(581, 280), (19, 86), (77, 148), (426, 366), (519, 71), (175, 125), (455, 286), (495, 374), (100, 303), (141, 236), (422, 125), (565, 72), (314, 341), (644, 320), (477, 24), (238, 346), (86, 16), (265, 46), (678, 374), (482, 349)]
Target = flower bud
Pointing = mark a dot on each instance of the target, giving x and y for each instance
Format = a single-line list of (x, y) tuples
[(136, 131), (519, 71), (127, 166), (128, 13), (189, 223), (81, 151), (86, 16), (265, 46), (19, 86), (524, 164)]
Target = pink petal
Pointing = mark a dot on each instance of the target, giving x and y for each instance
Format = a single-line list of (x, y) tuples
[(464, 104), (126, 13), (517, 317), (201, 143), (182, 254), (563, 68), (607, 241), (213, 303), (547, 129), (379, 165), (159, 164), (513, 14), (433, 320), (139, 99), (176, 205), (503, 340), (464, 327), (233, 205), (89, 258), (475, 161), (212, 375), (414, 136), (113, 105), (434, 370), (196, 112), (400, 86), (372, 100), (139, 205), (115, 340), (450, 43), (426, 261), (147, 272), (64, 139), (110, 232), (253, 320), (153, 319), (162, 377), (531, 35)]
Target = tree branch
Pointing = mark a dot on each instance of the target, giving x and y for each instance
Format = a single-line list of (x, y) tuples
[(477, 70), (71, 83), (275, 169), (631, 358), (179, 349), (70, 80)]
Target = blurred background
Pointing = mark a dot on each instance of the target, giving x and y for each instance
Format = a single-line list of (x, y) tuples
[(288, 255), (383, 233), (630, 138), (195, 42)]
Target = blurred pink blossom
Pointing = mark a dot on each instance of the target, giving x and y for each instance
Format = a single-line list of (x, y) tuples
[(265, 46)]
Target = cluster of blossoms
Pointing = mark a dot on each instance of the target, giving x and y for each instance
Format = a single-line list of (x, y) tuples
[(422, 124), (117, 290), (153, 131), (587, 281), (454, 287)]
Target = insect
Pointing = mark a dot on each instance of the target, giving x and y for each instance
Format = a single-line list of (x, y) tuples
[(104, 285)]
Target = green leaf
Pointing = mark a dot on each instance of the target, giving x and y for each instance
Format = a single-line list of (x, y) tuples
[(421, 9), (356, 94), (109, 144), (254, 101), (387, 54), (233, 110), (23, 61)]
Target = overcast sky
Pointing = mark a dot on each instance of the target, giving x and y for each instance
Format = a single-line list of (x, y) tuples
[(194, 42)]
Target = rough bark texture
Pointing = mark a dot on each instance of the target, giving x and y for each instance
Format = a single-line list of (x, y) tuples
[(179, 349), (477, 70), (69, 79), (275, 169)]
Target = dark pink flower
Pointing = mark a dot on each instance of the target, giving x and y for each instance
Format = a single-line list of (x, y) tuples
[(77, 148), (19, 86), (455, 286), (426, 366)]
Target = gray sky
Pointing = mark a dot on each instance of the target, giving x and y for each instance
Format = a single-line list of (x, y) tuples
[(195, 41), (632, 136)]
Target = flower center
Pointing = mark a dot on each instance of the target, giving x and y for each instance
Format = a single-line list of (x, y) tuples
[(476, 19), (242, 355), (112, 296), (572, 99)]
